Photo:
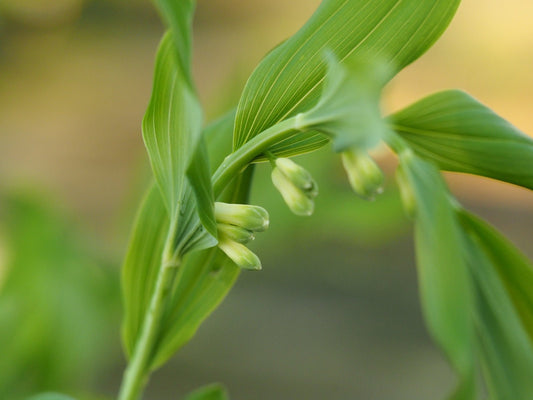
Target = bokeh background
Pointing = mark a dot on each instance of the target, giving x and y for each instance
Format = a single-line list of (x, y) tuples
[(333, 315)]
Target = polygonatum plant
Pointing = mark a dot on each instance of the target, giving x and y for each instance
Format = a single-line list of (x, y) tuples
[(323, 85)]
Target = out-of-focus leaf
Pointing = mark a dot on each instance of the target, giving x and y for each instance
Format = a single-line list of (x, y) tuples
[(506, 349), (348, 109), (50, 396), (211, 392), (460, 134), (444, 281), (289, 79), (172, 132), (50, 275), (142, 264), (513, 268)]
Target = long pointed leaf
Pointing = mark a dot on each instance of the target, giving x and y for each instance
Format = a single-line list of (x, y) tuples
[(178, 15), (460, 134), (218, 135), (443, 276), (172, 133), (142, 263), (199, 177), (171, 126), (289, 78), (143, 260), (202, 282), (506, 348), (514, 269)]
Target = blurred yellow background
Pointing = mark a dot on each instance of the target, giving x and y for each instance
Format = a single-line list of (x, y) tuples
[(75, 78)]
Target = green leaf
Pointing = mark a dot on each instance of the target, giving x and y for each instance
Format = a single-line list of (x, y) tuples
[(347, 112), (513, 268), (196, 274), (142, 264), (199, 176), (506, 348), (202, 282), (178, 15), (211, 392), (445, 286), (218, 136), (460, 134), (289, 79), (171, 126), (298, 143), (172, 133), (348, 109), (50, 396)]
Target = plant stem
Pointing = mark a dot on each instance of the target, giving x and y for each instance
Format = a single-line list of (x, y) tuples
[(136, 374), (244, 155)]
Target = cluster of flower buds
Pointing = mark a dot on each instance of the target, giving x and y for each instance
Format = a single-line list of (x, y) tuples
[(296, 186), (365, 177), (237, 224)]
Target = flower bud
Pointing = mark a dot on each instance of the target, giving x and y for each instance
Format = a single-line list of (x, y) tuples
[(406, 193), (298, 175), (235, 233), (252, 218), (299, 202), (239, 254), (365, 177)]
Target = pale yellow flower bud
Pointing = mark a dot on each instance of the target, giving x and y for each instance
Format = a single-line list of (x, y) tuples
[(235, 233), (298, 201), (252, 218), (365, 177), (298, 175), (406, 193), (239, 254)]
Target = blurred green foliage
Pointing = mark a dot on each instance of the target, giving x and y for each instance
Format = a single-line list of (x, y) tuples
[(58, 304)]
